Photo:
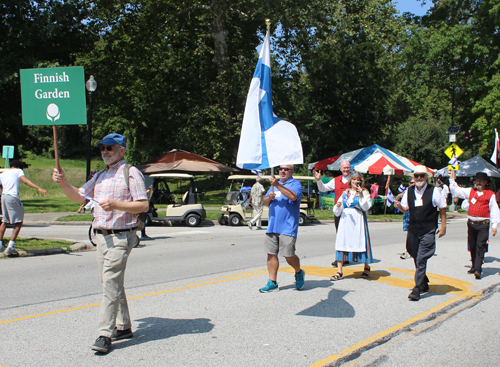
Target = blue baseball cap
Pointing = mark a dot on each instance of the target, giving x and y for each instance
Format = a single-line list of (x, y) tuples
[(113, 139)]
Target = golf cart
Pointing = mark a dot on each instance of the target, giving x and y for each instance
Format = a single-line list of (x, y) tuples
[(236, 211), (183, 209)]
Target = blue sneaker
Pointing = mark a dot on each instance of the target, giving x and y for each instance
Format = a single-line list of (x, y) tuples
[(270, 287), (299, 279), (250, 224)]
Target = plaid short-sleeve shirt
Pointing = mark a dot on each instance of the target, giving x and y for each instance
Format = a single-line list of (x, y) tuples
[(110, 184)]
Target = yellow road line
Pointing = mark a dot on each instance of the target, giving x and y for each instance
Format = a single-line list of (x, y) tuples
[(194, 285), (383, 334)]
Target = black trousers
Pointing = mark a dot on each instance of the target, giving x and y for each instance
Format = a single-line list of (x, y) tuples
[(477, 235), (421, 248)]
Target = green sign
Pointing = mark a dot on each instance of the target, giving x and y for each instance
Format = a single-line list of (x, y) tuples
[(53, 96)]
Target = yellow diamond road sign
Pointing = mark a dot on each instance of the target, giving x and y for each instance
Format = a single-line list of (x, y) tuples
[(453, 151)]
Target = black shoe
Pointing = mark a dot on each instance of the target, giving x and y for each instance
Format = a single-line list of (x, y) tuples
[(145, 237), (477, 275), (425, 288), (414, 295), (471, 271), (121, 334), (102, 344)]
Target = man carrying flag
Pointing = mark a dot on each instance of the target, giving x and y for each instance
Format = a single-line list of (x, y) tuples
[(267, 141), (283, 199)]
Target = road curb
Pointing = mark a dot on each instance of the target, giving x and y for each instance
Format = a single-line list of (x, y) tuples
[(79, 246)]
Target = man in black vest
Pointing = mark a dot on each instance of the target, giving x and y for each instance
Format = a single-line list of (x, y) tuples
[(422, 200)]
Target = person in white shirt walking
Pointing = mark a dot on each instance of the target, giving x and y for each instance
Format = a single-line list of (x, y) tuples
[(12, 207), (483, 210), (256, 198)]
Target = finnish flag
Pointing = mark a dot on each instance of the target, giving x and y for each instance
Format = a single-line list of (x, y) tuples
[(266, 141), (390, 198)]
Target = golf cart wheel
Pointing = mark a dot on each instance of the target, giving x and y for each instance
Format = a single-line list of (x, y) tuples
[(234, 220), (222, 220), (193, 220), (302, 220)]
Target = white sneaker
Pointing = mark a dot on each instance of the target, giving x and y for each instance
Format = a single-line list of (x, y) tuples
[(10, 251), (405, 255)]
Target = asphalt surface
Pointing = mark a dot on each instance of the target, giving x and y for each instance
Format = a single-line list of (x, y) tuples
[(193, 294)]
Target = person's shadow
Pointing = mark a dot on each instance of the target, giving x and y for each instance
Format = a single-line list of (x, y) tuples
[(334, 306), (156, 328)]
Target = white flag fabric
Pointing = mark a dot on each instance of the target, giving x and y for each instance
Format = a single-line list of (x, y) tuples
[(496, 151), (401, 188), (266, 140), (390, 197)]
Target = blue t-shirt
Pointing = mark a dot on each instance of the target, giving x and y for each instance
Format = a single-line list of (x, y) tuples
[(283, 212)]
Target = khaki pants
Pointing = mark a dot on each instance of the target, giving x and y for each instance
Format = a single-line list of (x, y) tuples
[(112, 255), (257, 219)]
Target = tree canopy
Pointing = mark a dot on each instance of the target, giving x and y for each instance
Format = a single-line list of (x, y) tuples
[(175, 74)]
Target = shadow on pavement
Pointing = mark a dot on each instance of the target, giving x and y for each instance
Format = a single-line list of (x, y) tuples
[(156, 328), (334, 306)]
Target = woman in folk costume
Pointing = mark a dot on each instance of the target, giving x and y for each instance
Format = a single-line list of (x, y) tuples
[(353, 238)]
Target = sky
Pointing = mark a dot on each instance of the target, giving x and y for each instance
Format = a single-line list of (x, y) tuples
[(413, 6)]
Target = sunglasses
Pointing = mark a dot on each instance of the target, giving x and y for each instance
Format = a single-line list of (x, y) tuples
[(412, 183), (285, 169), (419, 175), (109, 148)]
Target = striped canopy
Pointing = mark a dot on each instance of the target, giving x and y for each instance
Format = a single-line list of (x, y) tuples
[(377, 160)]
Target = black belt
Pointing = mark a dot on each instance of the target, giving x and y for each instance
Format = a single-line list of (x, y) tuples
[(113, 231), (480, 221)]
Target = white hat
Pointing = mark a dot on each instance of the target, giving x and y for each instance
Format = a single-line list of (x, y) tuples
[(259, 178), (420, 169)]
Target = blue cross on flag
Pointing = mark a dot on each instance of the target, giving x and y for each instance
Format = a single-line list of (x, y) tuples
[(266, 140)]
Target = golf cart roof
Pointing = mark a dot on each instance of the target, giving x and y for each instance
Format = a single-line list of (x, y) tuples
[(172, 175), (253, 177)]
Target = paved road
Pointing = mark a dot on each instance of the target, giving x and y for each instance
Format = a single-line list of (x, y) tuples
[(194, 302)]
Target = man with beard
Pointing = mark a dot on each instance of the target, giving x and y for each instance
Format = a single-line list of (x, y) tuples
[(115, 224), (483, 209), (421, 201)]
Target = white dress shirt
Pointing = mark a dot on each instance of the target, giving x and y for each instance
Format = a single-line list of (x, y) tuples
[(437, 199), (330, 186)]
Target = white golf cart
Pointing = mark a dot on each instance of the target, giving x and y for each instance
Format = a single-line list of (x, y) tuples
[(184, 209), (236, 211)]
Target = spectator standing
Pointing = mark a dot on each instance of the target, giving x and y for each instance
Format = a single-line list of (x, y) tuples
[(12, 207), (283, 199), (115, 224), (256, 199), (406, 219)]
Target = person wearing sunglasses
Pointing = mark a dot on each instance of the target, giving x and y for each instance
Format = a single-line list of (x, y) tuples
[(421, 202), (483, 210), (283, 199), (353, 238), (115, 223), (338, 185)]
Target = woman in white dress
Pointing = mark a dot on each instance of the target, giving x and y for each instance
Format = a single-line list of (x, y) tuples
[(353, 238)]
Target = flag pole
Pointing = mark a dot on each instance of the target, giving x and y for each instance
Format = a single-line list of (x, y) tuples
[(268, 28)]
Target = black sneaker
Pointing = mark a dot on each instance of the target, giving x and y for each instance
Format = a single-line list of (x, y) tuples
[(121, 334), (102, 344), (414, 295)]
